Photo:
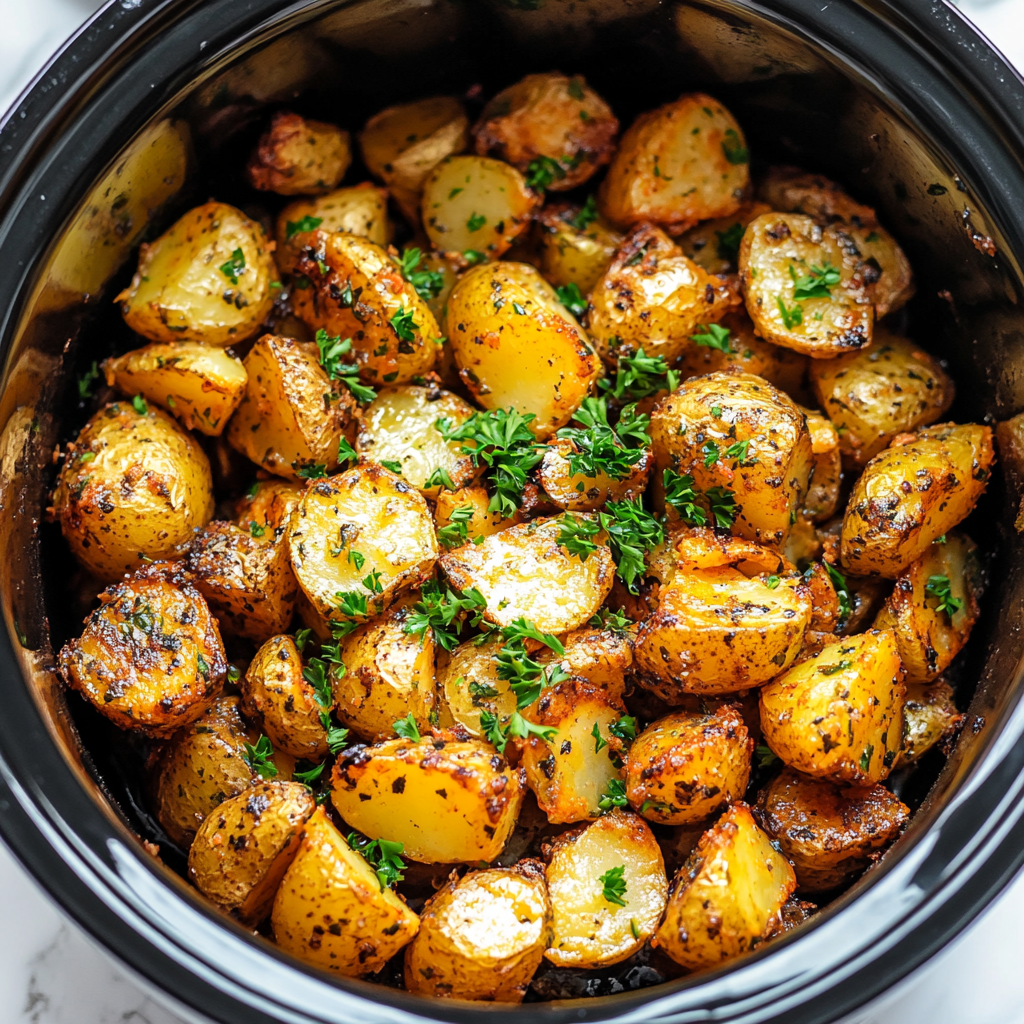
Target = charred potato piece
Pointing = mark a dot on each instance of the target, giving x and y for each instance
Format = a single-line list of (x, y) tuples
[(469, 686), (207, 278), (471, 507), (929, 717), (242, 850), (913, 492), (608, 889), (715, 244), (296, 157), (576, 245), (794, 191), (552, 127), (331, 910), (828, 831), (578, 492), (822, 498), (523, 572), (132, 490), (401, 789), (482, 936), (293, 416), (600, 656), (653, 298), (682, 163), (729, 895), (686, 766), (268, 503), (839, 714), (517, 346), (881, 391)]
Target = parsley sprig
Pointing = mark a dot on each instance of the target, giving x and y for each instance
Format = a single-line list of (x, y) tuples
[(939, 587), (599, 447), (613, 885), (296, 227), (632, 532), (639, 376), (586, 216), (543, 171), (455, 532), (713, 336), (816, 283), (427, 283), (681, 495), (260, 758), (527, 677), (570, 296), (234, 266), (842, 592), (383, 855), (331, 352), (517, 726), (613, 796), (444, 612)]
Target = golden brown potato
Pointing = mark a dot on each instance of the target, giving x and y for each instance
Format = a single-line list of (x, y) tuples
[(198, 384), (332, 911), (554, 128), (402, 789), (600, 656), (132, 490), (827, 831), (242, 850), (688, 549), (523, 572), (469, 686), (608, 889), (728, 896), (822, 497), (401, 145), (150, 657), (293, 417), (913, 492), (482, 936), (737, 433), (276, 694), (398, 427), (268, 503), (358, 539), (682, 163), (578, 492), (207, 278), (715, 244), (653, 298), (576, 245), (517, 346), (839, 714), (881, 391), (792, 190), (929, 717), (683, 768), (296, 157), (934, 606), (357, 291), (471, 507)]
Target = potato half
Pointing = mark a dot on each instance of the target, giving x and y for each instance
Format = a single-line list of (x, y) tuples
[(469, 685), (576, 245), (715, 244), (602, 657), (482, 522), (296, 157)]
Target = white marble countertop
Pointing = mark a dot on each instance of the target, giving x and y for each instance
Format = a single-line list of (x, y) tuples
[(52, 973)]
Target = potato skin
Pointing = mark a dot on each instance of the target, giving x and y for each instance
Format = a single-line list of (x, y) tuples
[(688, 549), (682, 768), (296, 157), (602, 657), (180, 291), (838, 715), (581, 493), (132, 491), (714, 244), (482, 936), (570, 254), (242, 850), (702, 147), (792, 190), (150, 657), (929, 717), (330, 910), (822, 497), (268, 503), (914, 491), (473, 666), (827, 831), (401, 789)]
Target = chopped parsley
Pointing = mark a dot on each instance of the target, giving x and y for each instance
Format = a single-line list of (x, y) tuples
[(598, 447), (234, 266), (331, 352), (139, 405), (816, 284), (616, 621), (772, 582), (570, 296), (456, 531), (427, 283), (733, 148), (842, 591), (255, 529), (632, 532), (526, 676), (316, 673), (542, 172), (728, 242), (586, 215), (613, 796), (296, 227), (939, 588), (302, 638), (713, 336), (259, 758), (383, 855), (404, 325), (639, 376), (87, 381), (517, 726), (407, 728), (766, 757), (599, 741), (337, 737), (476, 222), (392, 464), (791, 316), (614, 885), (309, 470), (574, 535), (624, 728), (443, 611), (723, 507), (681, 495)]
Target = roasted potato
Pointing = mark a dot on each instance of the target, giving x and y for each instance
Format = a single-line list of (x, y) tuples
[(578, 492), (207, 278), (792, 190), (480, 521), (268, 503), (683, 768), (198, 384), (715, 244), (688, 549), (242, 850), (357, 291), (653, 298), (608, 888), (913, 492), (517, 346), (682, 163), (332, 911), (132, 490), (881, 391), (729, 895), (476, 206), (293, 416), (150, 657), (482, 936), (523, 572), (469, 685), (602, 657), (576, 245), (822, 497), (401, 789), (552, 127), (929, 717), (839, 714), (399, 426), (296, 157), (828, 831)]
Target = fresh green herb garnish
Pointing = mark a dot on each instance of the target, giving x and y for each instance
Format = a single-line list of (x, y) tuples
[(392, 464), (307, 778), (586, 216), (259, 758), (616, 621), (87, 381), (442, 611), (574, 535), (302, 638), (407, 728), (598, 447), (614, 885), (766, 757), (639, 376), (711, 454), (255, 529), (613, 796), (738, 451), (842, 591), (526, 676), (317, 675), (331, 352), (939, 588), (295, 227), (791, 317), (713, 336), (831, 670), (599, 741), (383, 855), (624, 728), (816, 284), (865, 758), (337, 737), (404, 325), (681, 495), (772, 582), (517, 726), (139, 405), (234, 266), (723, 506), (346, 453), (570, 296), (542, 171), (632, 532), (456, 531), (427, 283), (309, 470), (733, 148), (728, 245), (201, 663)]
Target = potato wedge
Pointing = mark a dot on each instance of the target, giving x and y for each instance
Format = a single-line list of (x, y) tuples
[(576, 245), (715, 244), (686, 766), (688, 549), (839, 714), (523, 572), (616, 856), (930, 716), (331, 910), (242, 850), (400, 790), (822, 497), (517, 346), (828, 831), (481, 521), (682, 163), (469, 685), (602, 657), (578, 492), (268, 503), (207, 278), (296, 157), (913, 492), (482, 936), (729, 895)]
